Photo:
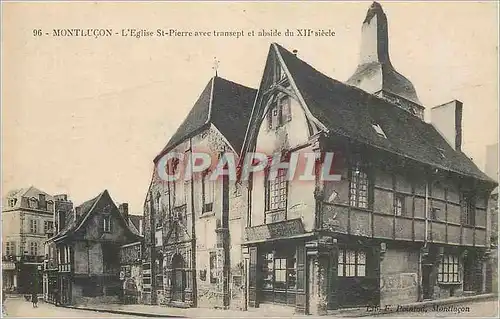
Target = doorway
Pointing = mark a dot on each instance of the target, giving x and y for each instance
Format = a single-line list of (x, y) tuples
[(178, 278), (426, 282)]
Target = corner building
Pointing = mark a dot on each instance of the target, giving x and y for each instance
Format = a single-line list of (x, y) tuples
[(407, 221)]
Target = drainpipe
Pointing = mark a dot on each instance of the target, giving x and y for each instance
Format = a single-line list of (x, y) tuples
[(426, 238)]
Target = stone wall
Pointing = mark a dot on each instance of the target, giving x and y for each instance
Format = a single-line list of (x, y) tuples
[(399, 276)]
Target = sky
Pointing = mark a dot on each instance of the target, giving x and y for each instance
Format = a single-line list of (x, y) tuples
[(80, 115)]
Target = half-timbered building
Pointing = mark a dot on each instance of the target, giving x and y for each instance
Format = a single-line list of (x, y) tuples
[(406, 221)]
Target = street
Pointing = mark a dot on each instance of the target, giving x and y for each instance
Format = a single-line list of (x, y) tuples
[(17, 307), (488, 309)]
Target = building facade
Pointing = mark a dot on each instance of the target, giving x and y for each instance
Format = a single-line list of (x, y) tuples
[(193, 227), (86, 251), (404, 220), (27, 216), (386, 208)]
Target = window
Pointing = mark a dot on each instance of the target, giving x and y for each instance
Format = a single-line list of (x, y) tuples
[(47, 226), (379, 130), (358, 188), (469, 210), (279, 275), (277, 191), (213, 261), (106, 224), (159, 238), (158, 204), (237, 189), (279, 112), (33, 226), (10, 248), (208, 193), (64, 255), (33, 203), (12, 202), (42, 204), (34, 249), (448, 269), (351, 263), (399, 202), (434, 213)]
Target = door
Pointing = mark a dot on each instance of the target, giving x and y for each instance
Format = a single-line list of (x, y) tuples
[(426, 282), (178, 278)]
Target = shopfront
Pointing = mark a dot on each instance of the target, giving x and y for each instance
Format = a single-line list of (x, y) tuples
[(277, 265)]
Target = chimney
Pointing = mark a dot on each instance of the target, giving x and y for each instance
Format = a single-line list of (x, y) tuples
[(123, 208), (140, 226), (61, 198), (447, 119), (375, 73), (295, 52), (77, 212)]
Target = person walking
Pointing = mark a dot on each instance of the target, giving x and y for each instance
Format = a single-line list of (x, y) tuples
[(4, 297), (56, 297), (34, 299)]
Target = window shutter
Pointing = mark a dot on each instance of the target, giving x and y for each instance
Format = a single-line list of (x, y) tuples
[(252, 278), (301, 296)]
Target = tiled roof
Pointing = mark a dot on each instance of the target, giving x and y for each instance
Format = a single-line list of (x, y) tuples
[(134, 220), (84, 211), (348, 111), (225, 104)]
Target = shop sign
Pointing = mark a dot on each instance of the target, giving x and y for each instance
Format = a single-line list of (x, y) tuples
[(284, 229), (8, 266)]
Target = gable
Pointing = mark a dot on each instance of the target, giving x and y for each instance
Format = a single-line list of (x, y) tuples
[(297, 124), (87, 220)]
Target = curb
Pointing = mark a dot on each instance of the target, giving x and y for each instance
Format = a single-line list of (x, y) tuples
[(354, 313), (125, 312)]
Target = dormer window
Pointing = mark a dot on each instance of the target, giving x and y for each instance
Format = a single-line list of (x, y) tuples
[(379, 130), (12, 202), (33, 203), (279, 112), (441, 152)]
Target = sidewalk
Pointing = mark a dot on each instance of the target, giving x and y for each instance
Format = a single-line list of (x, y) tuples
[(170, 312), (264, 312)]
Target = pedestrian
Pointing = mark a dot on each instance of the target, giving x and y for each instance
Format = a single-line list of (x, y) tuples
[(56, 297), (34, 299), (4, 297)]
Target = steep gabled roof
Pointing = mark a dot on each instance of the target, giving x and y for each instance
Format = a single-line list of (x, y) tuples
[(134, 223), (225, 104), (348, 111), (84, 211)]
